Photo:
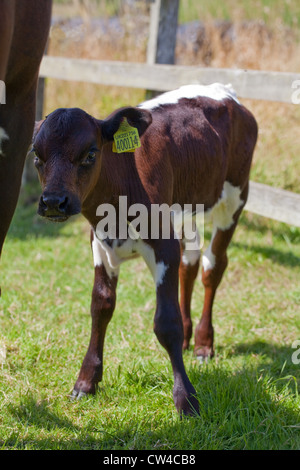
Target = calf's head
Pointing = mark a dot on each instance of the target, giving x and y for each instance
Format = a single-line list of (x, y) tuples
[(67, 147)]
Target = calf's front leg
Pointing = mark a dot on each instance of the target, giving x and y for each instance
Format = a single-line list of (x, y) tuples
[(102, 307), (168, 325)]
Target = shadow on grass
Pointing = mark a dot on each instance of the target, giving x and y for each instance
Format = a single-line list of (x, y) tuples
[(263, 225), (280, 231), (246, 408), (281, 257), (286, 235), (277, 359), (277, 256), (271, 350), (27, 223), (37, 413)]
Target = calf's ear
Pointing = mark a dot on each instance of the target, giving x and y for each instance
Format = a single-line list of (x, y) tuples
[(136, 117), (36, 129)]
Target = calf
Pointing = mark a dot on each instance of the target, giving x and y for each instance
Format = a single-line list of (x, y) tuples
[(196, 147)]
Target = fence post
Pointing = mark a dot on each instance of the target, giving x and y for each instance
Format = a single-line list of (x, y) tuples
[(162, 34), (30, 173)]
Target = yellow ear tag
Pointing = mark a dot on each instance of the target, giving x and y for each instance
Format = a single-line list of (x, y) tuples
[(126, 139)]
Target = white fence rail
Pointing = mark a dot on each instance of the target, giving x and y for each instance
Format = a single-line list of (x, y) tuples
[(252, 84)]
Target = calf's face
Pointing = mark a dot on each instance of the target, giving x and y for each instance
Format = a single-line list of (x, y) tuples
[(67, 147)]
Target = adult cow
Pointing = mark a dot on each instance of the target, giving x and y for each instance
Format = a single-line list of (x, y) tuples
[(196, 148), (24, 29)]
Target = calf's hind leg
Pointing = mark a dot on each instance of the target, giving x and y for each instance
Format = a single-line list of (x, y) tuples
[(225, 218), (188, 270)]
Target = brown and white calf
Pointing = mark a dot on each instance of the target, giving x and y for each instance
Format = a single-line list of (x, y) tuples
[(197, 144)]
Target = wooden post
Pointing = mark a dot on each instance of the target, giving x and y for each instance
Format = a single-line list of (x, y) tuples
[(30, 174), (40, 99), (162, 35)]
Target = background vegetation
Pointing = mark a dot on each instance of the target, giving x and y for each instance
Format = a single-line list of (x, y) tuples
[(249, 393)]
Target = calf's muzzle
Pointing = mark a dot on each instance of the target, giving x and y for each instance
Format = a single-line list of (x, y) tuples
[(58, 206)]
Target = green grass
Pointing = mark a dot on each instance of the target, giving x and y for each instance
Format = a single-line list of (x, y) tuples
[(270, 11), (248, 393)]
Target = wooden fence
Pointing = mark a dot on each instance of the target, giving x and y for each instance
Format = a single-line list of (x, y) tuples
[(252, 84)]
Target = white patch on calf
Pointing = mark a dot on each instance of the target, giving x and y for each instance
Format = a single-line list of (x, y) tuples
[(215, 91), (209, 259), (159, 274), (100, 256), (3, 137), (96, 252), (230, 201), (221, 215), (191, 257), (157, 269), (112, 256), (184, 223)]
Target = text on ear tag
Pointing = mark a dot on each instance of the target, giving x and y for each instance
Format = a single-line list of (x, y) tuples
[(126, 139)]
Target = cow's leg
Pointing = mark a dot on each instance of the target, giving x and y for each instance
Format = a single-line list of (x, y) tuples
[(102, 307), (188, 270), (6, 33), (16, 125), (15, 136), (164, 264), (20, 56), (13, 149), (215, 262)]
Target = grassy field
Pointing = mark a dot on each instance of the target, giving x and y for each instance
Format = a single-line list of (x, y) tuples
[(248, 393)]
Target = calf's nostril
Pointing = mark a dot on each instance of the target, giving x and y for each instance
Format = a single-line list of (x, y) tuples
[(43, 202), (54, 203), (63, 204)]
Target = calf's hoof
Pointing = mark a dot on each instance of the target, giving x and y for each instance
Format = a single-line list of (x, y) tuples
[(203, 353), (185, 401), (77, 395), (82, 389)]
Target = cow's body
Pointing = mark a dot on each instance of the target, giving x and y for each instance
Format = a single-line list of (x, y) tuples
[(197, 146), (24, 26)]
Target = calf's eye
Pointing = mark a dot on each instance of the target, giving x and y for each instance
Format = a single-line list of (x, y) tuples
[(37, 161), (89, 159)]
